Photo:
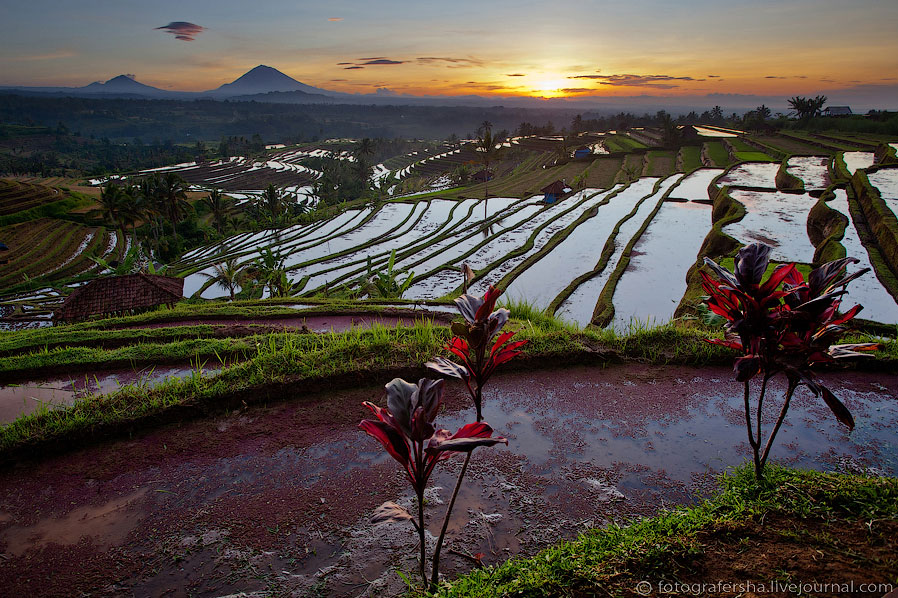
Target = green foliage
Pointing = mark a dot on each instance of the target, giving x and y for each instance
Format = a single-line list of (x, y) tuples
[(611, 561), (386, 284)]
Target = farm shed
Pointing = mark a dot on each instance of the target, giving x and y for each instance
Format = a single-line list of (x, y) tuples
[(120, 294), (582, 152), (554, 191), (481, 176), (838, 111)]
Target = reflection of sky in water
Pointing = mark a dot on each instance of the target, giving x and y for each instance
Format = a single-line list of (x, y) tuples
[(655, 279), (777, 219), (878, 304)]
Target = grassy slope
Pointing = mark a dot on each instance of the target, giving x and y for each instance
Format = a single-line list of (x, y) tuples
[(281, 365), (721, 540)]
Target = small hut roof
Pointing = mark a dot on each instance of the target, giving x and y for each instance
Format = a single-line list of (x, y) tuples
[(556, 188), (114, 294)]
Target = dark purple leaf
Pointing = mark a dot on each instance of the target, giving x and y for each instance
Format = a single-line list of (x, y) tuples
[(747, 367), (441, 365), (839, 410), (751, 264), (722, 273), (823, 277), (399, 401)]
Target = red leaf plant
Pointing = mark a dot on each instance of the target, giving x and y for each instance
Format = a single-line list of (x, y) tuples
[(782, 325), (475, 346), (406, 430)]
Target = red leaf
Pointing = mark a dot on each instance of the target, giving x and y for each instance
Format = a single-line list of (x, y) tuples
[(389, 437)]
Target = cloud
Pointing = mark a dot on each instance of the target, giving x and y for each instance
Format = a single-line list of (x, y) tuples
[(46, 56), (628, 80), (338, 80), (183, 30), (713, 76), (451, 61), (516, 75), (335, 19), (371, 61), (773, 77), (577, 90)]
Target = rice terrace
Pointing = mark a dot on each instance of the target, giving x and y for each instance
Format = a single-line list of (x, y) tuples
[(536, 334)]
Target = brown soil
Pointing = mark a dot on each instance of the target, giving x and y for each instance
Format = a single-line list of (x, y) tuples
[(276, 498), (787, 556)]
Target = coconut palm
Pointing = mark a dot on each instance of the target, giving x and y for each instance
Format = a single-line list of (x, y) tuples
[(273, 204), (171, 191), (227, 275), (486, 146), (219, 208), (112, 205)]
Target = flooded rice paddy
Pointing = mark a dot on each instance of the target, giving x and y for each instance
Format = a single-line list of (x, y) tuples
[(777, 219)]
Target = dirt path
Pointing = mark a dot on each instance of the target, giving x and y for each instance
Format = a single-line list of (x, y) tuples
[(278, 497)]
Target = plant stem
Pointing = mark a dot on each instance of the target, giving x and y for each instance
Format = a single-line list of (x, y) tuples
[(435, 573), (761, 405), (421, 537), (779, 422), (751, 437)]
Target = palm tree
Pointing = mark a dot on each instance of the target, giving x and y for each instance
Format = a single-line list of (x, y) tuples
[(171, 190), (227, 275), (219, 207), (272, 203), (486, 146), (112, 205)]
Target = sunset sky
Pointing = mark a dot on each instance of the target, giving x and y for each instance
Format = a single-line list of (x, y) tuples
[(485, 47)]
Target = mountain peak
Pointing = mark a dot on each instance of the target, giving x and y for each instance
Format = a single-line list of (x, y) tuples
[(122, 83), (263, 79)]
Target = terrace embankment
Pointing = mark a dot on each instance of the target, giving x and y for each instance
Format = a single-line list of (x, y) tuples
[(277, 498)]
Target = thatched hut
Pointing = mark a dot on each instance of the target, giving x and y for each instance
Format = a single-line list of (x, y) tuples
[(115, 295)]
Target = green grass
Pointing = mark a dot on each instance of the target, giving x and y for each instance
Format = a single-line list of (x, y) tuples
[(611, 561), (274, 366), (717, 151), (690, 157), (753, 156)]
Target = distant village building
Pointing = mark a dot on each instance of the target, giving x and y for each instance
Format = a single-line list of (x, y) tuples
[(482, 176), (838, 111), (119, 295), (554, 191), (582, 152)]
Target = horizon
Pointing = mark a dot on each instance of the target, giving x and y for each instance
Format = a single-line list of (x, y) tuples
[(643, 48)]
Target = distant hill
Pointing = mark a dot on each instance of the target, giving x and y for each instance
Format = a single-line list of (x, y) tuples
[(264, 79), (123, 84)]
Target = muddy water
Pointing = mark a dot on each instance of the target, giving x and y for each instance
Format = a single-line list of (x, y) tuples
[(752, 174), (278, 499), (30, 397), (879, 305), (777, 219), (655, 280)]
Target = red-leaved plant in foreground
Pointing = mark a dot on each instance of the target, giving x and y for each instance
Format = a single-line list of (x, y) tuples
[(475, 346), (782, 325), (406, 430), (416, 444)]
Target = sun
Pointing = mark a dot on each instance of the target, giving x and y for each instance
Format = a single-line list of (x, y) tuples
[(551, 88)]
